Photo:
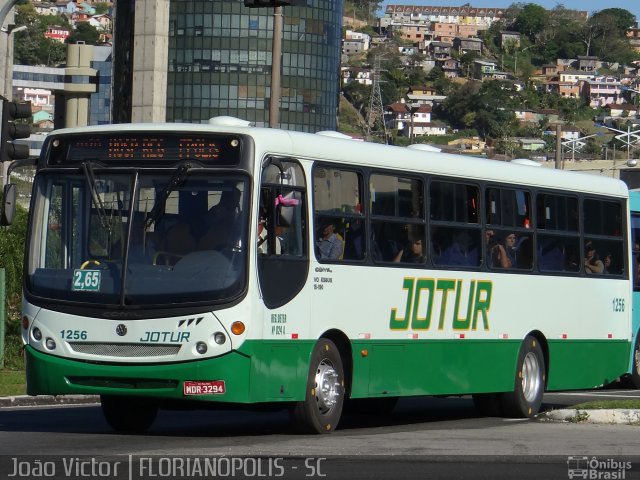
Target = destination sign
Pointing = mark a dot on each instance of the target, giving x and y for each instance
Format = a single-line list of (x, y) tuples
[(135, 148)]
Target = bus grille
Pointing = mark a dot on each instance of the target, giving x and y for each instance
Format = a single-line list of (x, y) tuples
[(136, 350)]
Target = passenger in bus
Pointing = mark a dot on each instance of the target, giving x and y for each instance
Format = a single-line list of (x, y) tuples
[(462, 251), (525, 253), (606, 261), (328, 243), (226, 210), (412, 251), (592, 263), (499, 256), (551, 255), (221, 222), (354, 246)]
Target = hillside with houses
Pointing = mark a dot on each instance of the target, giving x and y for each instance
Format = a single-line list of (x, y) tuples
[(501, 82)]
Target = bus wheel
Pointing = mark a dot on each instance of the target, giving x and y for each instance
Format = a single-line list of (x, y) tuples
[(635, 371), (526, 398), (128, 414), (321, 409)]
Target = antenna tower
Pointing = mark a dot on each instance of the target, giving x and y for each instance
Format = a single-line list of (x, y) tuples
[(375, 116)]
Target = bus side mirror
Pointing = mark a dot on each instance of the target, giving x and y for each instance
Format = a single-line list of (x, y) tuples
[(8, 205)]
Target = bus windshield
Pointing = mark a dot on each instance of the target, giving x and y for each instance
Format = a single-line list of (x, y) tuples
[(139, 238)]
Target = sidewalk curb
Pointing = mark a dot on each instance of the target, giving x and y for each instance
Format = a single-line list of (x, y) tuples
[(600, 416), (43, 400)]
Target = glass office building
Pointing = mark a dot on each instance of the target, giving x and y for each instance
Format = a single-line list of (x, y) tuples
[(219, 62)]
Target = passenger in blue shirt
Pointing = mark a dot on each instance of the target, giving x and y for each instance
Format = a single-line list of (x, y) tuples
[(329, 244), (462, 251)]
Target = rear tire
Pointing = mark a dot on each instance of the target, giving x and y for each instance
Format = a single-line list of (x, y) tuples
[(128, 414), (324, 398), (526, 398)]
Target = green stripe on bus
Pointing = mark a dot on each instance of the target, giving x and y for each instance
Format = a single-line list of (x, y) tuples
[(276, 371)]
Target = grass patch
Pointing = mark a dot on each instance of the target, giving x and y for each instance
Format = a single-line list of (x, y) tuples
[(579, 417), (12, 383), (608, 404)]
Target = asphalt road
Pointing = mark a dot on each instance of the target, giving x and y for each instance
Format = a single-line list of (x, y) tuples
[(423, 438)]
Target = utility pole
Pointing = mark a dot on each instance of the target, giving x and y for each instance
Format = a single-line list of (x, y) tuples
[(276, 52), (276, 67), (558, 146)]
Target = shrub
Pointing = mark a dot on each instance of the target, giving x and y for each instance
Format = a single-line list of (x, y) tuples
[(12, 241)]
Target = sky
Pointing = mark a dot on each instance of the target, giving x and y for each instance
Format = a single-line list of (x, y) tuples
[(591, 6)]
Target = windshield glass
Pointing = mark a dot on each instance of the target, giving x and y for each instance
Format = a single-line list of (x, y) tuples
[(138, 239)]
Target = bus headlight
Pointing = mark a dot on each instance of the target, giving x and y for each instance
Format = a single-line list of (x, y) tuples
[(36, 334), (219, 338), (201, 348), (50, 343)]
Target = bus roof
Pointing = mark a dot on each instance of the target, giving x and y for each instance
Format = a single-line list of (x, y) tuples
[(358, 153)]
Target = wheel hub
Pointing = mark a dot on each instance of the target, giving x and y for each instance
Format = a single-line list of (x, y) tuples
[(327, 386), (531, 378)]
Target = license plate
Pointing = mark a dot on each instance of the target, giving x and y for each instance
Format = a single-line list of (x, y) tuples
[(212, 387)]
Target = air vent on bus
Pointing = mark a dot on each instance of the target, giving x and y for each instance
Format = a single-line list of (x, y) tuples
[(333, 134), (226, 121), (525, 161), (424, 147), (122, 350)]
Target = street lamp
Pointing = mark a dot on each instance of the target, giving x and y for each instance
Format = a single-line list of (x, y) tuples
[(276, 52), (10, 30)]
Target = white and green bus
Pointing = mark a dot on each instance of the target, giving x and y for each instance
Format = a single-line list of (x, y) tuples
[(224, 265)]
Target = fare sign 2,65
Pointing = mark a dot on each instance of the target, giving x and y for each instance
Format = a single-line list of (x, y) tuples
[(209, 387), (86, 280)]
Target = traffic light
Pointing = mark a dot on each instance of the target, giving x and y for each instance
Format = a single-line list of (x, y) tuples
[(12, 131), (273, 3)]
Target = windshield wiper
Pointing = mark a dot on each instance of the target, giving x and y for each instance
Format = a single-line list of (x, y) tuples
[(105, 221), (174, 183)]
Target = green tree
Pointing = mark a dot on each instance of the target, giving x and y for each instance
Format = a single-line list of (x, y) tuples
[(31, 47), (623, 19), (532, 20), (609, 35), (86, 33), (101, 8), (357, 95)]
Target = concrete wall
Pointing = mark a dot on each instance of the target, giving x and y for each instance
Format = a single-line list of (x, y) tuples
[(150, 61)]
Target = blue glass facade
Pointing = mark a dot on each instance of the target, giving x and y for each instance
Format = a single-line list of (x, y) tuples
[(100, 104), (220, 63)]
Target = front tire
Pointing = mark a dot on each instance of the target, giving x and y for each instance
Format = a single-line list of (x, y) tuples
[(128, 414), (324, 398), (526, 398)]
